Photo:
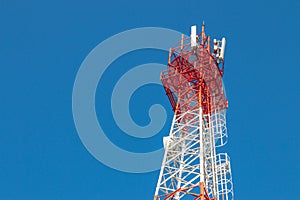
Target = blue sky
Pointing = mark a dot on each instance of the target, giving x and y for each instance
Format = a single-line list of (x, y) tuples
[(42, 46)]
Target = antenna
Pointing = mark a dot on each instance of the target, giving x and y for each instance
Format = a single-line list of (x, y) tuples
[(219, 49), (222, 50), (193, 36)]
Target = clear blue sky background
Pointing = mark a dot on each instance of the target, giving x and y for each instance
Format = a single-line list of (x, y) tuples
[(43, 44)]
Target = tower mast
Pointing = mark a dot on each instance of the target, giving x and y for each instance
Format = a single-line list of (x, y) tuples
[(191, 168)]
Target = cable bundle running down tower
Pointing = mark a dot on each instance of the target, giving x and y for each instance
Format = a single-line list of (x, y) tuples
[(191, 167)]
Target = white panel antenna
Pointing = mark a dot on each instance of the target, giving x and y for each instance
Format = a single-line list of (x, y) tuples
[(222, 51), (166, 141), (193, 36)]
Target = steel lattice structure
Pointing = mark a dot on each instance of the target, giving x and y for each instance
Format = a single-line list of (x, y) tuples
[(191, 167)]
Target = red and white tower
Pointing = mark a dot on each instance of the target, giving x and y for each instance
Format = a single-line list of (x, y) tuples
[(192, 168)]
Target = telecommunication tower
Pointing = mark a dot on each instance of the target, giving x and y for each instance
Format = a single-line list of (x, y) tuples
[(192, 168)]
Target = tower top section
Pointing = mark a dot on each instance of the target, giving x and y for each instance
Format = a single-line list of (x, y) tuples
[(194, 74)]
